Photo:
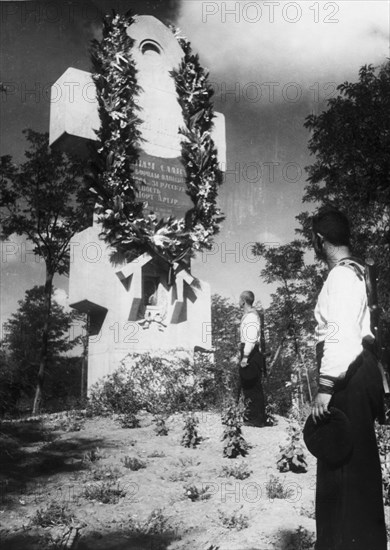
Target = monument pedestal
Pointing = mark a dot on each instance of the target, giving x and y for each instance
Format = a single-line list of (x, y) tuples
[(135, 307)]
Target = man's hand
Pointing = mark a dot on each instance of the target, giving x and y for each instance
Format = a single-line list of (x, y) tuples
[(244, 362), (319, 408)]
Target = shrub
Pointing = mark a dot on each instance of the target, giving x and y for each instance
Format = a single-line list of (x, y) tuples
[(193, 493), (275, 489), (106, 472), (301, 539), (160, 427), (160, 384), (92, 456), (239, 471), (114, 393), (128, 420), (133, 463), (190, 436), (233, 521), (54, 514), (155, 524), (107, 492), (292, 456), (179, 476), (232, 418)]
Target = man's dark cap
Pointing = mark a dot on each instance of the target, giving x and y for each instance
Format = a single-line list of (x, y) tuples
[(330, 439)]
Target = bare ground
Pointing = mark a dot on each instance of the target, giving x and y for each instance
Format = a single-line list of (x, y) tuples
[(42, 464)]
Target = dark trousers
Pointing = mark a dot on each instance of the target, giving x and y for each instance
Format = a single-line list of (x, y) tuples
[(349, 502), (250, 385)]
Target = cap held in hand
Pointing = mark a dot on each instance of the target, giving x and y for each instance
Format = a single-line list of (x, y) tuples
[(330, 439)]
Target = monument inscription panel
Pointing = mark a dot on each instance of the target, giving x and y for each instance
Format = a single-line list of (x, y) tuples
[(162, 184)]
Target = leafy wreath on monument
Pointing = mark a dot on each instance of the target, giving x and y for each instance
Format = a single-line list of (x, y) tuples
[(126, 227)]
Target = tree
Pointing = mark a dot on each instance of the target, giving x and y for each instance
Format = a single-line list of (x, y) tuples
[(351, 143), (23, 333), (289, 318), (225, 318), (9, 383), (44, 200)]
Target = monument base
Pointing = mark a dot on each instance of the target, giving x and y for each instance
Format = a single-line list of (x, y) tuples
[(135, 307)]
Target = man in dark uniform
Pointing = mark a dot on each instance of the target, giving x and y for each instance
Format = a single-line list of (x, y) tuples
[(251, 362), (349, 504)]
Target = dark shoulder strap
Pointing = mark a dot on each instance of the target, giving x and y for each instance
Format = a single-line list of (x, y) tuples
[(356, 265)]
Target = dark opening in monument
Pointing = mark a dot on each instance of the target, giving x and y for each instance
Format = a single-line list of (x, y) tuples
[(150, 47), (150, 290)]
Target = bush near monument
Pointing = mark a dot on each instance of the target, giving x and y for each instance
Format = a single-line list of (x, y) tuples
[(160, 384)]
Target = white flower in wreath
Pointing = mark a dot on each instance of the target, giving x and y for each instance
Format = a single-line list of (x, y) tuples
[(160, 237), (205, 189), (115, 115)]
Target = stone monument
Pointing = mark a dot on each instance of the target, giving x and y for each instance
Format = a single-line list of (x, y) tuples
[(133, 307)]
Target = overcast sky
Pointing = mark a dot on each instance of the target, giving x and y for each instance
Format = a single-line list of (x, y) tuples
[(271, 64)]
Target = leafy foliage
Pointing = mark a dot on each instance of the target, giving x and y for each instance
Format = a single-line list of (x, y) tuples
[(383, 441), (194, 493), (114, 393), (20, 358), (24, 328), (45, 200), (292, 456), (92, 456), (126, 227), (128, 420), (234, 520), (290, 321), (105, 473), (351, 143), (133, 463), (351, 172), (155, 525), (53, 514), (225, 320), (118, 138), (159, 384), (198, 150), (238, 471), (291, 310), (160, 428), (107, 492), (181, 475), (190, 437), (275, 489), (233, 418), (301, 539)]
